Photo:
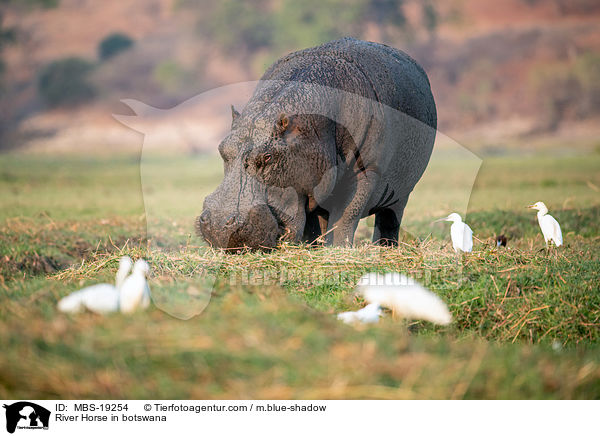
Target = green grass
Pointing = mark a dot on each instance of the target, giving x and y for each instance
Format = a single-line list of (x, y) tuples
[(261, 325)]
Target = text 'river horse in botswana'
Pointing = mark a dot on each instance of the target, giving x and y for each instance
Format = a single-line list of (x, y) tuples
[(332, 134)]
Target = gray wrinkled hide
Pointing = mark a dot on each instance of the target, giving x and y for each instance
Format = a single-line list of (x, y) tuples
[(331, 134)]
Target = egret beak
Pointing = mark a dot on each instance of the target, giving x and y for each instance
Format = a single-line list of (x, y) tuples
[(441, 219), (531, 206)]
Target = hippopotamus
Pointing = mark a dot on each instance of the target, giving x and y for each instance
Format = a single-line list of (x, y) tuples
[(331, 134)]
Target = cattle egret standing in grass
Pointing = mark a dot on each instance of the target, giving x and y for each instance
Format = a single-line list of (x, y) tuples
[(135, 291), (401, 294), (550, 227), (461, 233), (102, 298)]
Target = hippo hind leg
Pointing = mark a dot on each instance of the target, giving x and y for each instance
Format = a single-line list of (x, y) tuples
[(316, 224), (387, 227), (387, 224)]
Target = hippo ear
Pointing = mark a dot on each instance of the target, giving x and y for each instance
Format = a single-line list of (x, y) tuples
[(286, 124), (282, 123), (234, 115)]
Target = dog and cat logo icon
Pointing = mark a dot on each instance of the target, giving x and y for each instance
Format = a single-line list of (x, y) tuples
[(26, 415)]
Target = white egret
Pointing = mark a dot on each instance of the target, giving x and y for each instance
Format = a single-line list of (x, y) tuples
[(550, 227), (461, 233), (101, 298), (135, 291), (403, 295), (125, 264), (367, 315)]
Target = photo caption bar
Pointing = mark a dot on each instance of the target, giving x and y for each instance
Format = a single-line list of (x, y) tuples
[(266, 417)]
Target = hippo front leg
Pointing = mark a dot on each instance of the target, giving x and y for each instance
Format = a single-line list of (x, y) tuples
[(316, 222), (344, 217), (295, 223)]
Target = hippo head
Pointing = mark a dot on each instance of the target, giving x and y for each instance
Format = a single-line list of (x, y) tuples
[(244, 211), (296, 154)]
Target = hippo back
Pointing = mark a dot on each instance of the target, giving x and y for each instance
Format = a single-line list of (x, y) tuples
[(371, 70)]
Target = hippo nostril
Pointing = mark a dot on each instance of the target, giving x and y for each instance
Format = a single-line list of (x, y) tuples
[(205, 217), (230, 220)]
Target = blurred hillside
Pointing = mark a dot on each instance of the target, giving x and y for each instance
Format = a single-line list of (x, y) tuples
[(499, 70)]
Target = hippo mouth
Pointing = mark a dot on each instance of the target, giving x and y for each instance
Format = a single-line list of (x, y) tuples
[(259, 231), (245, 239)]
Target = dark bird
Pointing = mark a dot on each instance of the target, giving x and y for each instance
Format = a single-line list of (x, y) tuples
[(501, 241)]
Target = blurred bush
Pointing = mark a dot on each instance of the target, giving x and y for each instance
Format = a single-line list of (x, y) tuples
[(65, 82), (266, 29), (169, 75), (569, 91), (309, 23), (7, 36), (587, 72), (430, 17), (47, 4), (286, 25), (234, 24), (113, 45)]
